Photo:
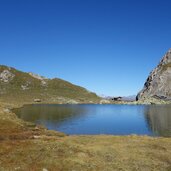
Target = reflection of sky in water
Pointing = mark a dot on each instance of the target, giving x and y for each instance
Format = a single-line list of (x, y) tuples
[(101, 119)]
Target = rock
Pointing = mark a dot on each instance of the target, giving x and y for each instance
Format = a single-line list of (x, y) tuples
[(158, 83), (36, 137), (41, 78), (150, 100), (36, 76), (25, 87), (37, 100), (6, 110), (43, 83), (71, 101), (104, 101), (6, 76), (44, 169)]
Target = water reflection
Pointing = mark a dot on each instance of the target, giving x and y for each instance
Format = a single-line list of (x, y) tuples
[(51, 113), (158, 118), (101, 119)]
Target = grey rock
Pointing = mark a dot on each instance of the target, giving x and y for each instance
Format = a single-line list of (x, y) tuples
[(44, 169), (104, 101), (6, 76), (36, 76), (158, 83), (41, 78), (37, 100)]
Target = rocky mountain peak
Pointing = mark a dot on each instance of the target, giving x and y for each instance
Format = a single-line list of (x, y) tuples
[(158, 83)]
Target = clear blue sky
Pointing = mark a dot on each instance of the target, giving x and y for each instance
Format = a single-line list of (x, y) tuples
[(106, 46)]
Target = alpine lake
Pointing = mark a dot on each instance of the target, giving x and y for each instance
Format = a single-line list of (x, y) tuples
[(94, 119)]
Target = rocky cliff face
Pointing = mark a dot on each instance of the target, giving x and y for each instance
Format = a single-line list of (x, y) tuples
[(158, 84)]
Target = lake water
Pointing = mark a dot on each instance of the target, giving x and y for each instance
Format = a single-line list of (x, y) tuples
[(153, 120)]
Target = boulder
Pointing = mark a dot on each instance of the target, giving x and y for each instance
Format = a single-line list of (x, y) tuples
[(37, 100)]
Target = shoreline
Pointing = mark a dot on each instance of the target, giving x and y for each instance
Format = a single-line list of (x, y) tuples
[(20, 140)]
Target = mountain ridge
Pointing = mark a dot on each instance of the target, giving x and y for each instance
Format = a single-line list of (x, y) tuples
[(19, 85)]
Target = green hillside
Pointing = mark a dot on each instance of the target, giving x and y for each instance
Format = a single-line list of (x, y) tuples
[(17, 86)]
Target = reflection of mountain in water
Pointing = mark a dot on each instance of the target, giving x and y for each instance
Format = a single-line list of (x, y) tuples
[(159, 119), (44, 113), (95, 119)]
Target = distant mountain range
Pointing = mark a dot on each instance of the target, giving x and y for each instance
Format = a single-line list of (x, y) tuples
[(123, 98), (18, 86)]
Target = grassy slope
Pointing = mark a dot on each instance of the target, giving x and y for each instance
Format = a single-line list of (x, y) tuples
[(56, 90)]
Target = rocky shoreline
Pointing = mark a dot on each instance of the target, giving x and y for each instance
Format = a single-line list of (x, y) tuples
[(143, 101)]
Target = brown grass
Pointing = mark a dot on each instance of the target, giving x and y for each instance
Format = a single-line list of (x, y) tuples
[(27, 147)]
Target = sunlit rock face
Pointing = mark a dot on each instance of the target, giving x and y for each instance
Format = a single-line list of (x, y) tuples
[(158, 84)]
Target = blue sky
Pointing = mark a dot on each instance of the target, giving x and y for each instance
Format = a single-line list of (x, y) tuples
[(106, 46)]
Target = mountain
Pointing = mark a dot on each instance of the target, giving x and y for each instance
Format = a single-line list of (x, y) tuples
[(121, 98), (19, 86), (158, 83), (129, 98)]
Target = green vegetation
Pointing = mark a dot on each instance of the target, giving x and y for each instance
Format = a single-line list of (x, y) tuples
[(25, 87)]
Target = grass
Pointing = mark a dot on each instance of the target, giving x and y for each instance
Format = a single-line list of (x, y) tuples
[(87, 153), (56, 90), (26, 146)]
